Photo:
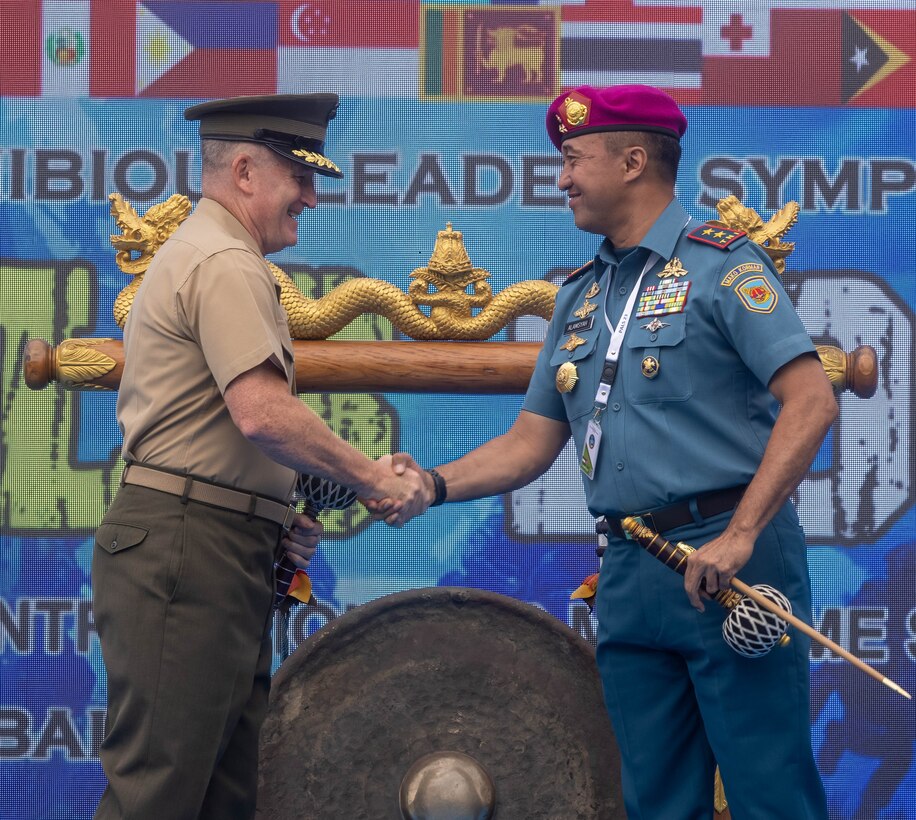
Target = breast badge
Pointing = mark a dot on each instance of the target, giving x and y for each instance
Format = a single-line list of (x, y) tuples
[(757, 295), (655, 325), (567, 376), (572, 343), (672, 270), (586, 308), (650, 367), (593, 291)]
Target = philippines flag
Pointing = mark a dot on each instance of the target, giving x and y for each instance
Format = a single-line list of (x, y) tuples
[(359, 49), (201, 48)]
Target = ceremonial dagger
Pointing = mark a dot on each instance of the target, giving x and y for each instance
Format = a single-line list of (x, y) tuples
[(316, 494), (675, 556)]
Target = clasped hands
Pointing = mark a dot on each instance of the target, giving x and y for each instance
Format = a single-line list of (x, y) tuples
[(403, 490)]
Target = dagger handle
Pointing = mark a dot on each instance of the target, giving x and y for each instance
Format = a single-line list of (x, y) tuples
[(673, 556)]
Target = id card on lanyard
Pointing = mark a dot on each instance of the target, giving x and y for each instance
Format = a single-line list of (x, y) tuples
[(588, 463)]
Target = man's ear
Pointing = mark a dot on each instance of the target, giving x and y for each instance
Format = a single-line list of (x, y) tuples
[(241, 170), (636, 160)]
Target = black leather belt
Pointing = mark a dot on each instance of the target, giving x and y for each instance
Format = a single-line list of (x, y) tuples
[(677, 515)]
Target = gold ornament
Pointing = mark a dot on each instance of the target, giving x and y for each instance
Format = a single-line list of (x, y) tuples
[(650, 367), (576, 112), (768, 235), (567, 376), (76, 362), (316, 159), (450, 286), (587, 308), (673, 269), (572, 343)]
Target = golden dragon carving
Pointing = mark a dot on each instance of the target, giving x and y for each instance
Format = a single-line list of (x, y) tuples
[(768, 235), (450, 286)]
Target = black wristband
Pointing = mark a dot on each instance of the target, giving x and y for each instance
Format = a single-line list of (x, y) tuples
[(441, 489)]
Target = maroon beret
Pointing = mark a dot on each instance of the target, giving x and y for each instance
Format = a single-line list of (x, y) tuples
[(586, 109)]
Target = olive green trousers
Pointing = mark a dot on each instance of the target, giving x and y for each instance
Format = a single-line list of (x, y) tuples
[(182, 603)]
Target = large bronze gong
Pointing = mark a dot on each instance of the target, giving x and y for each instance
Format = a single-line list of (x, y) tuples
[(440, 704)]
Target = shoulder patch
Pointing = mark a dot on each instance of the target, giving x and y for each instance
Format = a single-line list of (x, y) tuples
[(714, 234), (734, 273), (578, 272), (757, 294)]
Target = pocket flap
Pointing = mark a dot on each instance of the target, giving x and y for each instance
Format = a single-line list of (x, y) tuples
[(113, 537), (561, 355)]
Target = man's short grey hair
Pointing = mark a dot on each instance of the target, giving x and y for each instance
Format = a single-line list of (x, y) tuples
[(217, 154)]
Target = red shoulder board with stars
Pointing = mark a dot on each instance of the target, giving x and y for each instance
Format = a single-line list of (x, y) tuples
[(712, 234), (579, 271)]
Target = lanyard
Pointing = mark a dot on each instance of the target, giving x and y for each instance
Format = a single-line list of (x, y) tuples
[(613, 350)]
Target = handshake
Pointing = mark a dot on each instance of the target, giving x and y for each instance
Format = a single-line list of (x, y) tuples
[(400, 490)]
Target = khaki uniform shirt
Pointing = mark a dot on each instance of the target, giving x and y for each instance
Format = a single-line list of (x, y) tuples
[(207, 311)]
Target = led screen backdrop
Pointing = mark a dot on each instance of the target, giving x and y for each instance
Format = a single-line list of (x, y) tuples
[(441, 120)]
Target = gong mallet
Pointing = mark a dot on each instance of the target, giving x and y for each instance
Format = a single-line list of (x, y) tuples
[(315, 494), (675, 556)]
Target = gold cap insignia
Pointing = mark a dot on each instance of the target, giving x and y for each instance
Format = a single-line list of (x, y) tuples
[(650, 367), (572, 343), (576, 110), (567, 376)]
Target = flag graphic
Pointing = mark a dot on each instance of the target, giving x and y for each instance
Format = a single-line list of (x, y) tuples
[(620, 41), (497, 53), (360, 49), (165, 48), (159, 48), (862, 58), (668, 57), (875, 70), (44, 48), (65, 58), (855, 53)]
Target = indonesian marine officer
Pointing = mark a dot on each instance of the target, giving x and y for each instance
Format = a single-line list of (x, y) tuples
[(666, 359)]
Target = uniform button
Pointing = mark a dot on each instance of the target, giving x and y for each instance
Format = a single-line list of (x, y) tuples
[(616, 406), (653, 337), (114, 545), (619, 465), (622, 289)]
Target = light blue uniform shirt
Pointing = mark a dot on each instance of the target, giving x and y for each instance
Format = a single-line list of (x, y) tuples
[(703, 421)]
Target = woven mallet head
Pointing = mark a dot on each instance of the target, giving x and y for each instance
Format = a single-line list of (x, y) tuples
[(750, 629)]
